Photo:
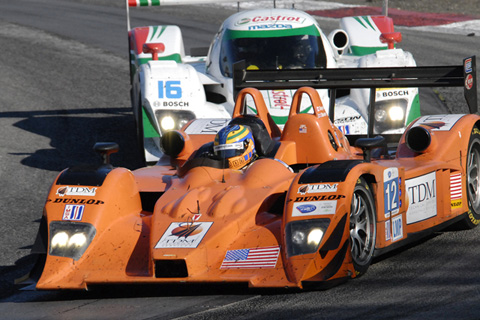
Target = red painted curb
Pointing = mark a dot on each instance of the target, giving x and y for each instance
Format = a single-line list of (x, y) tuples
[(400, 17)]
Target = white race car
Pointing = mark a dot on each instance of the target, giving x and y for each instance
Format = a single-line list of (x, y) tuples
[(170, 88)]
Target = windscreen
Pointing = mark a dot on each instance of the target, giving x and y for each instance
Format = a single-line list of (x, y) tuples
[(298, 48)]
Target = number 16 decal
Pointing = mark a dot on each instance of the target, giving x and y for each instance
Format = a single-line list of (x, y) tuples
[(391, 191), (170, 90)]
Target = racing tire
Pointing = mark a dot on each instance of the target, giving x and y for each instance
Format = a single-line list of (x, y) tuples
[(139, 133), (363, 228), (472, 179)]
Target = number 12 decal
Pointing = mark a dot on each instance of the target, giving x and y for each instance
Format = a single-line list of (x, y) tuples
[(170, 90), (391, 191)]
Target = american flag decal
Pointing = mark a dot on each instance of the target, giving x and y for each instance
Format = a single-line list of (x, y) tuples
[(256, 258), (456, 186)]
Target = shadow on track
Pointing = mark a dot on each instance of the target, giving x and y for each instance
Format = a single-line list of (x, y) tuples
[(73, 134)]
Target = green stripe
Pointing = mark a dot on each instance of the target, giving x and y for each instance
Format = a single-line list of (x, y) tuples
[(175, 57), (280, 120), (236, 135), (361, 51), (368, 21), (360, 21), (235, 34), (149, 129), (414, 110), (155, 30)]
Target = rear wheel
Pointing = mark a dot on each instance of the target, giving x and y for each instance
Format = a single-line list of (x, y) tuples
[(363, 230)]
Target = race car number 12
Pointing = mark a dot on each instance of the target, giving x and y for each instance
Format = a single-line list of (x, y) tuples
[(391, 191), (171, 90)]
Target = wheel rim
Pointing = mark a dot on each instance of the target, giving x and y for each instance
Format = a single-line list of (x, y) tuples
[(362, 228), (473, 180)]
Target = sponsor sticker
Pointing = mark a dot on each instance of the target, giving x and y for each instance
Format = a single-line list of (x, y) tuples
[(345, 129), (313, 208), (270, 26), (388, 231), (306, 208), (320, 198), (206, 126), (76, 191), (281, 99), (456, 190), (391, 191), (183, 235), (422, 197), (78, 201), (73, 212), (354, 124), (317, 188), (397, 228), (302, 128), (351, 119), (468, 65), (255, 258), (389, 93), (442, 122), (469, 82), (274, 19)]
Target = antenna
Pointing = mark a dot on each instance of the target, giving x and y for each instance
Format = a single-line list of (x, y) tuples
[(223, 168), (385, 8)]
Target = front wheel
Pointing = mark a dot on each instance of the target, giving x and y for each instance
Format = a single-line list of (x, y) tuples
[(363, 230), (138, 115), (473, 181)]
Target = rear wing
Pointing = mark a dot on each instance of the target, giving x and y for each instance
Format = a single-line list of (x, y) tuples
[(158, 3), (371, 78)]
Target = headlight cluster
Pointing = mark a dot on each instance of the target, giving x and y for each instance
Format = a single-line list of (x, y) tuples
[(173, 120), (70, 239), (305, 236), (390, 114)]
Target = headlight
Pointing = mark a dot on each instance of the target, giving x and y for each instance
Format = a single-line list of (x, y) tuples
[(305, 236), (315, 236), (396, 113), (60, 239), (390, 114), (167, 123), (70, 239), (173, 120)]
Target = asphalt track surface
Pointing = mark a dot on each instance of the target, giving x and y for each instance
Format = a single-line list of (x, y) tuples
[(64, 84)]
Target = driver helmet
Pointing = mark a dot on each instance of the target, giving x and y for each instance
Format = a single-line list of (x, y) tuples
[(235, 144)]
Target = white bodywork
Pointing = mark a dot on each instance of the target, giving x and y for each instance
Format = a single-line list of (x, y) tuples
[(200, 87)]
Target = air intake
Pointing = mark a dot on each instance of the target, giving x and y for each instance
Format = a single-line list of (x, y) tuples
[(171, 269), (419, 139)]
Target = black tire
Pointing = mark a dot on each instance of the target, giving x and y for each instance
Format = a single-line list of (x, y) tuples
[(139, 132), (472, 180), (363, 228)]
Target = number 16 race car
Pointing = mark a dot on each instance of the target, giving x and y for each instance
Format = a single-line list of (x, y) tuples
[(267, 207), (170, 88)]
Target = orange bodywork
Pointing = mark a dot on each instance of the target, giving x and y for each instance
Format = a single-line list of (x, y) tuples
[(160, 225)]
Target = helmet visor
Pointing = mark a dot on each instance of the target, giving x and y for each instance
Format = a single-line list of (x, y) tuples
[(228, 150)]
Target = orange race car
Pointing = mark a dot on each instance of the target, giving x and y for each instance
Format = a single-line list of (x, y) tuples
[(250, 204)]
